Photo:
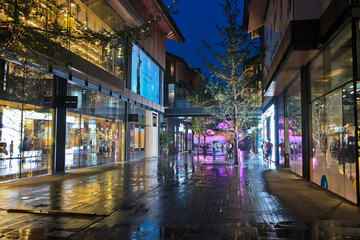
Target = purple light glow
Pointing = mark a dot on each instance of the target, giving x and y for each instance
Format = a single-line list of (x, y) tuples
[(210, 139), (210, 132), (210, 121), (295, 139), (226, 125), (315, 163)]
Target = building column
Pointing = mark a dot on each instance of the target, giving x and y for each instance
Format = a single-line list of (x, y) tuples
[(186, 137), (355, 52), (286, 129), (276, 126), (306, 123), (161, 130), (171, 130), (127, 132), (60, 125)]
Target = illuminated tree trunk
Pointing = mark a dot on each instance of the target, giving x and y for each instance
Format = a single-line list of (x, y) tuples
[(199, 141), (205, 151)]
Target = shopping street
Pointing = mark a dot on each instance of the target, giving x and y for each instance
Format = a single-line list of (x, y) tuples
[(175, 197)]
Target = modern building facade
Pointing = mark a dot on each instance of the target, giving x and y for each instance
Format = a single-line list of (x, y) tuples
[(311, 87), (179, 80), (100, 110)]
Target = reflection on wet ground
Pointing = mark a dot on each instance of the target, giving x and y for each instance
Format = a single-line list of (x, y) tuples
[(177, 197)]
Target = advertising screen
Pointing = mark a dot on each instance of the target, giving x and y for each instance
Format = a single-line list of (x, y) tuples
[(144, 75)]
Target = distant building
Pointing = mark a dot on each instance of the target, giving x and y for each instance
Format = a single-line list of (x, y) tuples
[(179, 80)]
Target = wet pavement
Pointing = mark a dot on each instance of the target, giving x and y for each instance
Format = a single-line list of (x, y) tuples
[(175, 197)]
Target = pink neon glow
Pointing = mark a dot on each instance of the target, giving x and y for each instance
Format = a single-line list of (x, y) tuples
[(315, 163), (226, 125), (210, 121), (210, 132), (210, 139)]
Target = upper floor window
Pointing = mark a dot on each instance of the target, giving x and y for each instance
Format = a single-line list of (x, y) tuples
[(172, 69)]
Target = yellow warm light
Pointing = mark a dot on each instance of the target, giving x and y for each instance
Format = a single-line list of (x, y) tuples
[(336, 72), (32, 24)]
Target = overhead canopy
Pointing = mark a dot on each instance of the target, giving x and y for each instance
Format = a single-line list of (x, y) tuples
[(254, 14), (153, 8), (299, 46)]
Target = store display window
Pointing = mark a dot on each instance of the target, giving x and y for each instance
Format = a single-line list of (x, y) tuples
[(26, 124), (95, 133), (295, 126), (333, 155)]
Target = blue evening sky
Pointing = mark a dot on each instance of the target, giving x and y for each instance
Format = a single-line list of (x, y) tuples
[(197, 19)]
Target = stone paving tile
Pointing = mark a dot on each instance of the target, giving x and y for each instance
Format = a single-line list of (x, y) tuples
[(177, 197)]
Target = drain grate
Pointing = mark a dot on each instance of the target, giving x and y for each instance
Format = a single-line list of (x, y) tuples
[(53, 212)]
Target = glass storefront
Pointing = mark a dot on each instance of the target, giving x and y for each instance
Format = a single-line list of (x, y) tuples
[(295, 127), (281, 127), (268, 128), (95, 131), (26, 124), (137, 134), (189, 139), (182, 138), (333, 162)]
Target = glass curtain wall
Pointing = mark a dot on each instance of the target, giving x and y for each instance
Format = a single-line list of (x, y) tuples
[(95, 131), (26, 123), (95, 15), (98, 15), (333, 162), (295, 129)]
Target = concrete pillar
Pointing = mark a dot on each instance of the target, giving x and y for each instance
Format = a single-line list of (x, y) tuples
[(60, 125)]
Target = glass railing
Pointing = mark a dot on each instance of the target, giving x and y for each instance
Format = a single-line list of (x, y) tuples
[(179, 104)]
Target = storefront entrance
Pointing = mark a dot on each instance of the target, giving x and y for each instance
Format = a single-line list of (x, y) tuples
[(268, 128), (93, 141), (137, 146)]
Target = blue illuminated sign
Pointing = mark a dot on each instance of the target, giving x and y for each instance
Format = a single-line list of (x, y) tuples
[(145, 75)]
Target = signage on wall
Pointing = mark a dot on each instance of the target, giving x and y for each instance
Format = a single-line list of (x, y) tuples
[(61, 101), (154, 116), (145, 75), (71, 101), (164, 124), (133, 117)]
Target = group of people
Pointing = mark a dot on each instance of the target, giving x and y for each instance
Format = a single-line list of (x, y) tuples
[(227, 146)]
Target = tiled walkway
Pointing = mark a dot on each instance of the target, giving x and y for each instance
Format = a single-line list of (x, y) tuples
[(178, 197)]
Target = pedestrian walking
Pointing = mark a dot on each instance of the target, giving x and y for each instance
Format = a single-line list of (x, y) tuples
[(11, 152), (231, 150), (213, 145), (268, 149)]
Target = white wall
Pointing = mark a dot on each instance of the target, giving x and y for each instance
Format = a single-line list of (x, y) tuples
[(152, 135)]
